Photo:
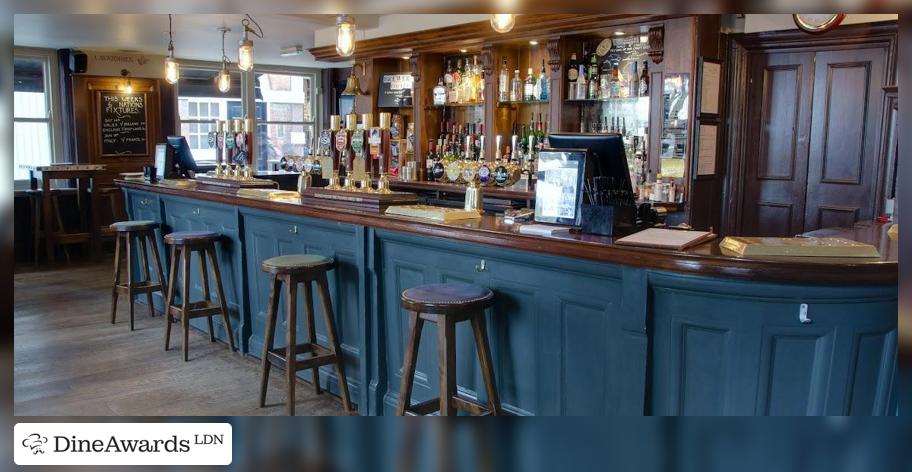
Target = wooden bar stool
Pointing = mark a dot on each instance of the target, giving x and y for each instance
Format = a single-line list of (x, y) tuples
[(446, 305), (292, 270), (38, 221), (183, 245), (143, 231)]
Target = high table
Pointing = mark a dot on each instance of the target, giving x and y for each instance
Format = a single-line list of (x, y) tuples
[(579, 326), (84, 174)]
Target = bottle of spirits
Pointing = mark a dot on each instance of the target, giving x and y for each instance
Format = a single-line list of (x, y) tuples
[(544, 85), (516, 87), (593, 66), (644, 80), (633, 85), (593, 83), (448, 75), (582, 87), (503, 82), (584, 64), (529, 86), (572, 69), (440, 93), (615, 83), (429, 159), (604, 78)]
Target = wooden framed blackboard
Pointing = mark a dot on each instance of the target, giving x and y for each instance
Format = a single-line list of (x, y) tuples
[(123, 124), (395, 90)]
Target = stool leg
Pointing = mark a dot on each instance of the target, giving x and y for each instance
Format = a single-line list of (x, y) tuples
[(186, 254), (36, 213), (330, 318), (129, 237), (116, 277), (291, 294), (144, 263), (223, 302), (311, 332), (484, 358), (157, 259), (269, 337), (206, 296), (169, 299), (66, 248), (446, 340), (408, 365)]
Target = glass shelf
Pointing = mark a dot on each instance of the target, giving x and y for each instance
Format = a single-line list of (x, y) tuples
[(508, 103), (602, 100), (460, 105)]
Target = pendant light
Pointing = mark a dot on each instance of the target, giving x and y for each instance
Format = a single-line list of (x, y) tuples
[(128, 87), (223, 79), (172, 68), (245, 45), (345, 35), (503, 22)]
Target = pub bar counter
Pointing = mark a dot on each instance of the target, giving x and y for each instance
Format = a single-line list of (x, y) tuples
[(579, 326)]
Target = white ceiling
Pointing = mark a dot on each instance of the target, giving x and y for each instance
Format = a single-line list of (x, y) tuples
[(195, 35)]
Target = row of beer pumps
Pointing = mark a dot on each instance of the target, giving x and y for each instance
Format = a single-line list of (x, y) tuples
[(355, 153), (231, 141)]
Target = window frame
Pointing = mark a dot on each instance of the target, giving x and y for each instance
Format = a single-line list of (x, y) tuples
[(51, 77), (315, 76), (248, 96), (212, 67)]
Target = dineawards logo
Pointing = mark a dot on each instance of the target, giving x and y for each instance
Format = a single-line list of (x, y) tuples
[(122, 444)]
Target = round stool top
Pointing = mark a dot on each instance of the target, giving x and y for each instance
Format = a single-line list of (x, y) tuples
[(446, 298), (291, 263), (135, 225), (191, 237)]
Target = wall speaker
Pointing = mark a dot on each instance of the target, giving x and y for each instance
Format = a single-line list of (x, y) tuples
[(78, 62)]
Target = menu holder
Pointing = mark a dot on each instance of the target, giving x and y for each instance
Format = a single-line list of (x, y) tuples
[(797, 247), (661, 238)]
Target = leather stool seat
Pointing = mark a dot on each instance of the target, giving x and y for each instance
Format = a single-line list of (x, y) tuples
[(448, 298), (191, 237), (295, 263), (135, 225)]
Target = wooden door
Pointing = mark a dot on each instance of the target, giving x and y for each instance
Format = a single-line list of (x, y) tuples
[(844, 160), (779, 117)]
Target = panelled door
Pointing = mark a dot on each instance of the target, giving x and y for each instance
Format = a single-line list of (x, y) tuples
[(814, 123)]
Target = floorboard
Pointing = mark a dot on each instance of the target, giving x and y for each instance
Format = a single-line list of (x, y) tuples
[(71, 361)]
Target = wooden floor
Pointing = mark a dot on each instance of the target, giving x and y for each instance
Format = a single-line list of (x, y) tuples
[(71, 361)]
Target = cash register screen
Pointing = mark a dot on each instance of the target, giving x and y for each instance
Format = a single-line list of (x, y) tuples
[(606, 156)]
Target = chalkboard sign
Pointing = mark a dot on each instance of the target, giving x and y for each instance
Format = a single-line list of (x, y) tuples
[(123, 124), (395, 90)]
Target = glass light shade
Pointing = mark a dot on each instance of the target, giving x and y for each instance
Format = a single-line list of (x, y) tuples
[(245, 55), (223, 80), (128, 88), (345, 36), (503, 22), (172, 70)]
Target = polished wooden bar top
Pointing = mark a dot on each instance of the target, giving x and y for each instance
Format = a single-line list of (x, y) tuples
[(707, 259)]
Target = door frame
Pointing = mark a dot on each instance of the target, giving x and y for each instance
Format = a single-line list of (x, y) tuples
[(740, 48)]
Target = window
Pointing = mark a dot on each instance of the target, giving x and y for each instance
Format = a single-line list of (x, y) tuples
[(200, 104), (285, 115), (33, 138)]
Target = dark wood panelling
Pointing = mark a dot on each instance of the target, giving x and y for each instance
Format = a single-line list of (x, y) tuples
[(777, 144), (844, 163)]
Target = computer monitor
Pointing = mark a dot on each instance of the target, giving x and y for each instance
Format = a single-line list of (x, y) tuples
[(182, 155), (606, 155)]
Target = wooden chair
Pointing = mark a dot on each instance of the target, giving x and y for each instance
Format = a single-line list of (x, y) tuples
[(183, 245), (293, 270), (144, 232), (446, 305)]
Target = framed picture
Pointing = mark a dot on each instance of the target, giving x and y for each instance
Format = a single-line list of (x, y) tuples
[(559, 190), (710, 73)]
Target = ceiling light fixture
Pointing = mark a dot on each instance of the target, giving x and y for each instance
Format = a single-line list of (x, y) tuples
[(345, 35), (503, 22), (245, 45), (533, 42), (172, 68), (128, 88), (463, 51), (223, 79), (619, 33)]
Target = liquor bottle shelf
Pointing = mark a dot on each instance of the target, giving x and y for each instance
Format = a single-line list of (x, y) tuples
[(613, 99), (509, 103)]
